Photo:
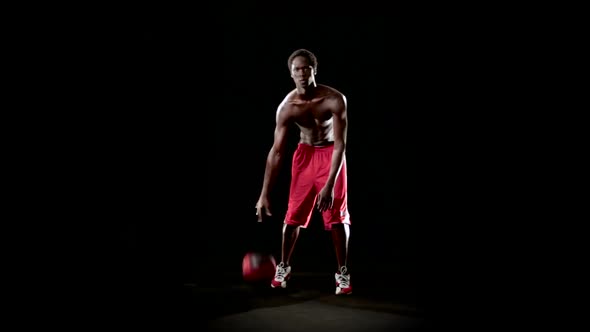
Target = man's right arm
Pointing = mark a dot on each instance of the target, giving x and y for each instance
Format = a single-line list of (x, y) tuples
[(273, 162), (276, 153)]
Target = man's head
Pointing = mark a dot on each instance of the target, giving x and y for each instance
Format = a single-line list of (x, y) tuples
[(313, 61), (303, 67)]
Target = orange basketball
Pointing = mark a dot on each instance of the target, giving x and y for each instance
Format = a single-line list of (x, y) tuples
[(258, 267)]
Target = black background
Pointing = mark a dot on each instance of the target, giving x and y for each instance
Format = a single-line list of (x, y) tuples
[(191, 144), (172, 118), (180, 122)]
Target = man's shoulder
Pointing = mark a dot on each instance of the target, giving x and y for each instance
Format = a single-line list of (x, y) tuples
[(329, 92), (287, 103)]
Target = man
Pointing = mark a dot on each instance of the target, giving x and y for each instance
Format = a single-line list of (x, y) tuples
[(318, 173)]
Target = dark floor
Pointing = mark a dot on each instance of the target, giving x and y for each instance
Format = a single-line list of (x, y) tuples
[(307, 304)]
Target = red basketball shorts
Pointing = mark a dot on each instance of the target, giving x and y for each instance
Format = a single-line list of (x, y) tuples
[(309, 172)]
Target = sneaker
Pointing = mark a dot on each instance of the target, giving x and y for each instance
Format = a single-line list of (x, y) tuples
[(282, 274), (343, 286)]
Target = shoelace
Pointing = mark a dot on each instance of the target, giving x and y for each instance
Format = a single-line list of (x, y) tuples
[(281, 271), (343, 280)]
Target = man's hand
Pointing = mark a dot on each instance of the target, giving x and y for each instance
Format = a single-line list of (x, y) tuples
[(325, 198), (263, 203)]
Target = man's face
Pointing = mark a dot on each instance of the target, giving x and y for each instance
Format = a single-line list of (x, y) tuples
[(302, 72)]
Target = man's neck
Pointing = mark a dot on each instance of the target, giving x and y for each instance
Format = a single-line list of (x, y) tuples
[(308, 92)]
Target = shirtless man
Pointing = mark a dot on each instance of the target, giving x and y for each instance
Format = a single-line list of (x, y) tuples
[(318, 173)]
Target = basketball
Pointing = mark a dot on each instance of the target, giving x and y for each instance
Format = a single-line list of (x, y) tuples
[(258, 267)]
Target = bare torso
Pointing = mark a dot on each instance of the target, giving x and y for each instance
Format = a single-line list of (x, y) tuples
[(313, 114)]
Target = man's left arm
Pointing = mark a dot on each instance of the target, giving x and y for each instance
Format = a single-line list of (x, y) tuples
[(340, 125)]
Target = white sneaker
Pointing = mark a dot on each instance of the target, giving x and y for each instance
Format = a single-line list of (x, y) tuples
[(343, 286), (282, 274)]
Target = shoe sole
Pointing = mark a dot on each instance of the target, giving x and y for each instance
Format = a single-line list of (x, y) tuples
[(283, 285), (342, 293)]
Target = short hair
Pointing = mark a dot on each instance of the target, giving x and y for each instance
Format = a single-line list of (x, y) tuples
[(304, 53)]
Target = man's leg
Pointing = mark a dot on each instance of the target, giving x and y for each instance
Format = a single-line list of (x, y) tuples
[(283, 270), (301, 202), (290, 236), (340, 236)]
